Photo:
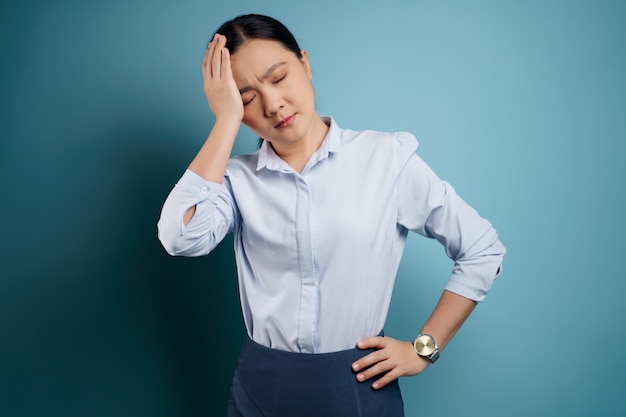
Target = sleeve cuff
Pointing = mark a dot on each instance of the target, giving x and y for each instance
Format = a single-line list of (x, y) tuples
[(198, 186)]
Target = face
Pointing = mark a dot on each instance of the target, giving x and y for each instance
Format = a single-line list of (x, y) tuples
[(275, 87)]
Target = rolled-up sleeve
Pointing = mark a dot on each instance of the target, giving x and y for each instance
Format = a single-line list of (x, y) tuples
[(215, 216), (431, 207)]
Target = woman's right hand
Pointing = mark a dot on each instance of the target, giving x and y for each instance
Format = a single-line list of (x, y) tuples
[(219, 85)]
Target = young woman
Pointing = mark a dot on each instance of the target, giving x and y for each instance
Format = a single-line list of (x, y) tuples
[(320, 216)]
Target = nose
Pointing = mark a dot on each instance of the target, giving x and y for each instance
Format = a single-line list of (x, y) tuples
[(272, 102)]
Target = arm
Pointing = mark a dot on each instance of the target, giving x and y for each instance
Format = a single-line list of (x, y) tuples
[(398, 358), (429, 206), (225, 102), (200, 194)]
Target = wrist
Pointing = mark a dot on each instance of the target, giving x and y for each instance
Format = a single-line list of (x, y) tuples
[(229, 119)]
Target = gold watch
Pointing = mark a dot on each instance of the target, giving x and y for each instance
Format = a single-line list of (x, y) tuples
[(426, 347)]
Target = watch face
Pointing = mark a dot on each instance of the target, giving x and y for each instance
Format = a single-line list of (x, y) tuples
[(424, 345)]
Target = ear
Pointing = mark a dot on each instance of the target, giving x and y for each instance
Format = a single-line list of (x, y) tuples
[(305, 63)]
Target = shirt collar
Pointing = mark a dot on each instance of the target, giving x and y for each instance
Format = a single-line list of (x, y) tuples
[(331, 144)]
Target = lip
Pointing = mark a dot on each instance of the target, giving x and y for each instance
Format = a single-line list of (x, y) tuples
[(286, 122)]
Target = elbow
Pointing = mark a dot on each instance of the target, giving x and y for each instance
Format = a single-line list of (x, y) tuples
[(178, 242), (488, 244), (171, 247), (181, 246), (174, 243), (170, 243)]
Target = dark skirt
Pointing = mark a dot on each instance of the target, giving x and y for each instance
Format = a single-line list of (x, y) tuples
[(273, 383)]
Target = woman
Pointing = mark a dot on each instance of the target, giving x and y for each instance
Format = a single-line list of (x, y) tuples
[(320, 216)]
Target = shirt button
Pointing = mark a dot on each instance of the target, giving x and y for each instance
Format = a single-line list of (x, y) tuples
[(204, 190)]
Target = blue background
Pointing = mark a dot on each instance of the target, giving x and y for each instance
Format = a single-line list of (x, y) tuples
[(519, 104)]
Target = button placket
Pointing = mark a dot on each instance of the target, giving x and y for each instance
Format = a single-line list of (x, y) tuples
[(308, 294)]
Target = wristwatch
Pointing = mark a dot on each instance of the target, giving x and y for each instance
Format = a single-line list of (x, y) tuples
[(426, 347)]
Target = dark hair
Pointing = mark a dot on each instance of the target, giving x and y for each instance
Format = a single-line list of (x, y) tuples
[(255, 26)]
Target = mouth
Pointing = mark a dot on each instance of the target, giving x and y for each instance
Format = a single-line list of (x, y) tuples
[(286, 122)]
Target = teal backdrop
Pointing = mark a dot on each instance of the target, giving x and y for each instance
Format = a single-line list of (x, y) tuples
[(519, 104)]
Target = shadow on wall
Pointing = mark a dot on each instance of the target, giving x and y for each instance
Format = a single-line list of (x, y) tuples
[(105, 322)]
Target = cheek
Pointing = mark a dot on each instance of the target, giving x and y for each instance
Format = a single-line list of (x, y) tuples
[(304, 88), (252, 118), (248, 118)]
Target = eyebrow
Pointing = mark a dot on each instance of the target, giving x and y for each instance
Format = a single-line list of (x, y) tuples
[(264, 76)]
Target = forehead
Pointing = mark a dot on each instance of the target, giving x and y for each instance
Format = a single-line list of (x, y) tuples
[(256, 56)]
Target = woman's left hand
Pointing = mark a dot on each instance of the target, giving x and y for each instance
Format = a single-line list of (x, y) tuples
[(393, 358)]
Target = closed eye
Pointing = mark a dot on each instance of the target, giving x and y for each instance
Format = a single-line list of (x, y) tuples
[(280, 79), (247, 97)]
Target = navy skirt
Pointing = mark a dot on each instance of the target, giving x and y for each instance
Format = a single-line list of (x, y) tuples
[(273, 383)]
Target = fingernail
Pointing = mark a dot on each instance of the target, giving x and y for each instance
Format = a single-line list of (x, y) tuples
[(360, 377), (355, 366), (375, 385)]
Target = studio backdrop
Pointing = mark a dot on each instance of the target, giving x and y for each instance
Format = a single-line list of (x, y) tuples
[(519, 104)]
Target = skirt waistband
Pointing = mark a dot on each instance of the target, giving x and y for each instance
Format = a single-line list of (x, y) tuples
[(286, 355)]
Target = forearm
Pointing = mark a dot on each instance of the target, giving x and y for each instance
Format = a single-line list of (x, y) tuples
[(448, 316), (225, 101), (394, 358), (211, 161)]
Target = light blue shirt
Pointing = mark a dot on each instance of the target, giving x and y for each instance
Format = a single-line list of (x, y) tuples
[(317, 252)]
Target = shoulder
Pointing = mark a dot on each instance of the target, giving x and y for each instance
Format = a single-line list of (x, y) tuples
[(242, 164), (379, 153), (378, 141)]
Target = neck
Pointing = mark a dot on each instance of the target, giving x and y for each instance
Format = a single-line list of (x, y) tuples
[(297, 154)]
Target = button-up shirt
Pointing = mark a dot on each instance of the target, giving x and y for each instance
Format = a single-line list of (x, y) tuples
[(317, 252)]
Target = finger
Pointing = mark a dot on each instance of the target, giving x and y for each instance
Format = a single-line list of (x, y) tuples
[(206, 61), (216, 59), (207, 51), (227, 70), (388, 378), (375, 370), (369, 360), (377, 342)]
